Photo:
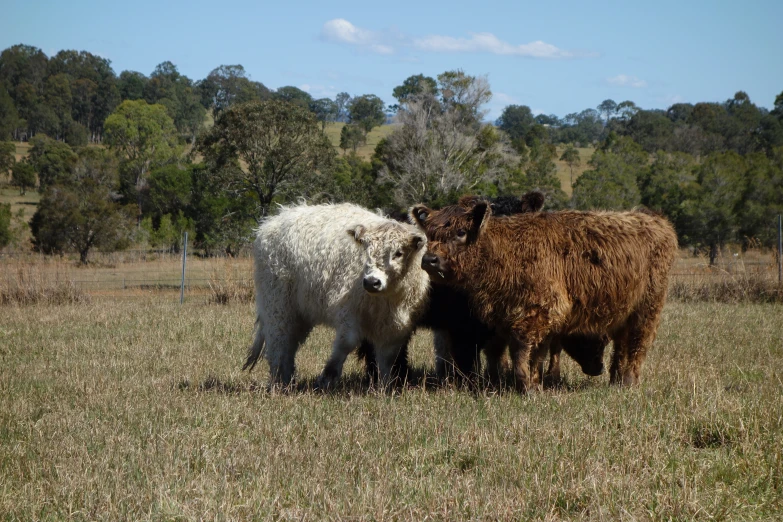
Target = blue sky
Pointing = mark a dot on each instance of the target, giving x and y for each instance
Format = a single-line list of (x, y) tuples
[(556, 57)]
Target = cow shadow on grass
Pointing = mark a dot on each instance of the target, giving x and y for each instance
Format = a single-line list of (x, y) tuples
[(358, 383)]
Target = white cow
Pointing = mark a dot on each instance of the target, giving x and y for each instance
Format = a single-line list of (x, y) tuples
[(339, 265)]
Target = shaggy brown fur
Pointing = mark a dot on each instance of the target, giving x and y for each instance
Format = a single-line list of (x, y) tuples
[(538, 274)]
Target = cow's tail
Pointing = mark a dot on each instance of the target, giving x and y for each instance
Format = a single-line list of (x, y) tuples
[(255, 350)]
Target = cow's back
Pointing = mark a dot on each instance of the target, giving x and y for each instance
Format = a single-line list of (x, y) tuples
[(307, 252), (590, 269)]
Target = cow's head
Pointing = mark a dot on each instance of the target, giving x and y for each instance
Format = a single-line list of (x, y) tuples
[(451, 231), (390, 251), (587, 351), (453, 228)]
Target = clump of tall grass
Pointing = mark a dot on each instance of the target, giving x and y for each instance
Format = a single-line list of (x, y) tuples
[(739, 288), (30, 285), (228, 286)]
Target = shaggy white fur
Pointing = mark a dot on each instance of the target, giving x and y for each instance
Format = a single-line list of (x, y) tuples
[(339, 265)]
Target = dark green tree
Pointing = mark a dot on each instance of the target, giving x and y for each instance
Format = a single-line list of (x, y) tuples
[(667, 184), (5, 225), (52, 160), (652, 130), (266, 151), (143, 137), (711, 214), (608, 108), (611, 183), (571, 157), (342, 100), (325, 111), (7, 157), (178, 94), (762, 200), (547, 120), (81, 214), (23, 71), (93, 85), (293, 95), (354, 181), (228, 85), (131, 85), (367, 112), (412, 86), (9, 117), (351, 137), (23, 176), (169, 192), (516, 121)]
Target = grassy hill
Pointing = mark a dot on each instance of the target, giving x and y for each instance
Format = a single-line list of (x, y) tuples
[(373, 138), (564, 173)]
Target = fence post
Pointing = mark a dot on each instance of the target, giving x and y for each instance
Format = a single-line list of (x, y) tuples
[(780, 248), (184, 259)]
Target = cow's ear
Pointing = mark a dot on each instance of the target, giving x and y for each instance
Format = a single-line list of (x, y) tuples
[(532, 201), (419, 214), (481, 214), (357, 232), (417, 241)]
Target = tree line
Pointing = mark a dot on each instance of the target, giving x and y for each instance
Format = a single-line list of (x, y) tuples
[(715, 169)]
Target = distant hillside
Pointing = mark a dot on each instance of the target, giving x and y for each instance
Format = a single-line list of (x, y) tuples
[(366, 150)]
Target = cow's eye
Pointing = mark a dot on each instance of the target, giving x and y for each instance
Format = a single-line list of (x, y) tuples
[(398, 254), (461, 233)]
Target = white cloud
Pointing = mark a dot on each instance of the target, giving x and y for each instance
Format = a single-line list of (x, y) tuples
[(504, 99), (623, 80), (489, 43), (340, 30), (319, 91), (672, 99)]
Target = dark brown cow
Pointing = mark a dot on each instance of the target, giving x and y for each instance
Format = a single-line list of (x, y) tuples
[(460, 336), (541, 274)]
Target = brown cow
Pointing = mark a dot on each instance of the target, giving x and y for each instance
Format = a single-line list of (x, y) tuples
[(538, 274)]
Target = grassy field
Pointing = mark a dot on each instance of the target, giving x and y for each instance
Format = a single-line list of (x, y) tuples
[(564, 172), (27, 202), (137, 410), (373, 137)]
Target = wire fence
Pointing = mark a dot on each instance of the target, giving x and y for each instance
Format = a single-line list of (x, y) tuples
[(134, 273)]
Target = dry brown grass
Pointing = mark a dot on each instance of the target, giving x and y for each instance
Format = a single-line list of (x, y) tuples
[(564, 173), (741, 288), (373, 138), (137, 410), (32, 284), (230, 283)]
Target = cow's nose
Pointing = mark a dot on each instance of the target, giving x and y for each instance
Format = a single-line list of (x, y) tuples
[(372, 284), (429, 259)]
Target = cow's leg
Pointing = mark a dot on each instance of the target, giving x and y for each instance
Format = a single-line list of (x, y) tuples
[(553, 372), (466, 354), (344, 343), (399, 369), (527, 348), (635, 340), (537, 362), (283, 341), (387, 352), (366, 353), (444, 364), (494, 351)]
